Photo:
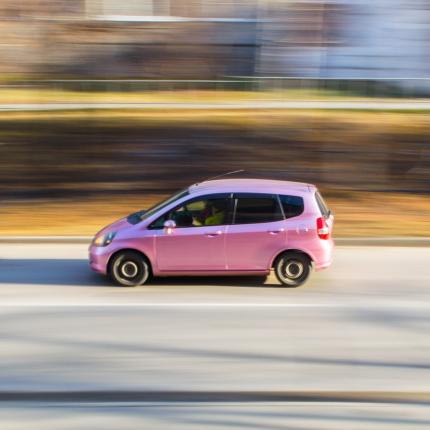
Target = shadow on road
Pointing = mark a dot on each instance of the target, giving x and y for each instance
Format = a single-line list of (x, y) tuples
[(49, 272), (74, 272)]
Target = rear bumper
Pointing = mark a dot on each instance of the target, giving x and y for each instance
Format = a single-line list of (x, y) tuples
[(324, 255), (323, 265)]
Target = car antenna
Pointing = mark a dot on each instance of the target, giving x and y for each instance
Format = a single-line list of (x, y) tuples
[(224, 174)]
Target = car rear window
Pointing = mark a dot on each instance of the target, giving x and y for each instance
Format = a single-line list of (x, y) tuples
[(252, 209), (292, 205), (325, 211)]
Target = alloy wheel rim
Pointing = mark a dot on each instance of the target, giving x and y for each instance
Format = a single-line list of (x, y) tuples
[(293, 269), (129, 269)]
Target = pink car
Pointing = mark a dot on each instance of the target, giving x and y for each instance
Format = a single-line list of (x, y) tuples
[(221, 227)]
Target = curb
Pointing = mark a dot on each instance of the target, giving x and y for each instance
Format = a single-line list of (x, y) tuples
[(129, 396), (46, 239), (411, 242), (267, 104)]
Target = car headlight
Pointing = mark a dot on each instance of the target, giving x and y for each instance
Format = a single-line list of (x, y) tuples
[(104, 239)]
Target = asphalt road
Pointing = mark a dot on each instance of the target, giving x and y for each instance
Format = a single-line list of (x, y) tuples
[(348, 350)]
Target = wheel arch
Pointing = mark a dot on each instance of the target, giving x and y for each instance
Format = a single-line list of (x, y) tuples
[(298, 251), (119, 251)]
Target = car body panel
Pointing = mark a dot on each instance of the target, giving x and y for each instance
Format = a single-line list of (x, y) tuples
[(251, 246), (192, 248)]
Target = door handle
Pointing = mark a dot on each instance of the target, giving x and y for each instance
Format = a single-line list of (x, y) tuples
[(214, 234), (273, 232)]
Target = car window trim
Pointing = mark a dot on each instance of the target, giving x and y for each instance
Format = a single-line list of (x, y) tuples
[(280, 205)]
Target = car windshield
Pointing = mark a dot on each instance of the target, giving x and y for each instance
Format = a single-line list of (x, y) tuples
[(139, 216)]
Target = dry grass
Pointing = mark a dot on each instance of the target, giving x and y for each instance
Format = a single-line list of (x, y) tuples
[(357, 214), (369, 121), (361, 214), (47, 95)]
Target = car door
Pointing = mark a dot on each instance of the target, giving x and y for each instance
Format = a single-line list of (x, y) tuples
[(257, 232), (197, 243)]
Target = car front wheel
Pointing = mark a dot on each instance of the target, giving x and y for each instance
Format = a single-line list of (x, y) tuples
[(292, 269), (129, 269)]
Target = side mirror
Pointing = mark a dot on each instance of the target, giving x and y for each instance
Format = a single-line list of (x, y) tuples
[(169, 226)]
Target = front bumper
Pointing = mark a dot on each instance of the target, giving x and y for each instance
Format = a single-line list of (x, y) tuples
[(98, 258)]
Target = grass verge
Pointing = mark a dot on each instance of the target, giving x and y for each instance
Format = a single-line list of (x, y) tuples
[(357, 214)]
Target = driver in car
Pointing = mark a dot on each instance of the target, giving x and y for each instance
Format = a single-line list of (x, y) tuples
[(212, 214)]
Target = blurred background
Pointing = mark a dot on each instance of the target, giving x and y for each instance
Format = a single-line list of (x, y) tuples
[(107, 106)]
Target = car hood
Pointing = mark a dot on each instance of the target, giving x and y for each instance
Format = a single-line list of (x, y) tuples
[(115, 226)]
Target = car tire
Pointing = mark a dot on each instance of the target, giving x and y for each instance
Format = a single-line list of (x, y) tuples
[(130, 269), (292, 269)]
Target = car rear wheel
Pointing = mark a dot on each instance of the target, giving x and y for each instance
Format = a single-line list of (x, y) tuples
[(292, 269), (129, 269)]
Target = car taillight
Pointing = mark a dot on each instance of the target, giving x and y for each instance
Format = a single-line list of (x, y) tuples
[(323, 230)]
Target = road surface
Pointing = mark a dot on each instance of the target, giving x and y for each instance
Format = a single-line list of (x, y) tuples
[(350, 349)]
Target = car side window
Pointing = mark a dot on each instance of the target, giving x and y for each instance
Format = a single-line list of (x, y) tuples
[(257, 208), (198, 212), (292, 205)]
